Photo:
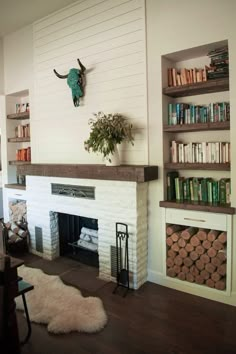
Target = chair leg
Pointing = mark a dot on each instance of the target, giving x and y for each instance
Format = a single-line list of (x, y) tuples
[(28, 321)]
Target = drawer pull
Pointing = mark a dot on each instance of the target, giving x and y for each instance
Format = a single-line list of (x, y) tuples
[(20, 195), (190, 219)]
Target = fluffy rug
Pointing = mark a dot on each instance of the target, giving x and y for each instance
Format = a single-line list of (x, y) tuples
[(61, 307)]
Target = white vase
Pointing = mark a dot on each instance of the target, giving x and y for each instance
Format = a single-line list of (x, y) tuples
[(113, 159)]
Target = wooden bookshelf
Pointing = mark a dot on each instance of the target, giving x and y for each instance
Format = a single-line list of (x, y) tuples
[(198, 166), (15, 186), (23, 115), (198, 206), (198, 88), (19, 140), (197, 127), (19, 162)]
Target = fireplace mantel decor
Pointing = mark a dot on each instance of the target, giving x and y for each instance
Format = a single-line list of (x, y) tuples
[(132, 173)]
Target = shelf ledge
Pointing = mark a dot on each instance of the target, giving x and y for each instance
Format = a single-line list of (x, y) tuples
[(198, 206)]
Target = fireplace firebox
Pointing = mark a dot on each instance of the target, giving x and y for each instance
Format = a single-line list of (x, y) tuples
[(78, 238)]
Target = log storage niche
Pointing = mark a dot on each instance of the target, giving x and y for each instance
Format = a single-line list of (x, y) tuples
[(197, 255)]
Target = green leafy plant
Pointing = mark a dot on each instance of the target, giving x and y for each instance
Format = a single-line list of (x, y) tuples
[(108, 130)]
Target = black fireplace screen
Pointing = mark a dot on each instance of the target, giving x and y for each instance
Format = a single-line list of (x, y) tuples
[(79, 238)]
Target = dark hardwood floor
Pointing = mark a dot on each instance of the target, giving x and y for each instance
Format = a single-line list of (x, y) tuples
[(151, 320)]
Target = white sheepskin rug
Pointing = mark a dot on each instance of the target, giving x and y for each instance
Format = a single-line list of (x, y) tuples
[(61, 307)]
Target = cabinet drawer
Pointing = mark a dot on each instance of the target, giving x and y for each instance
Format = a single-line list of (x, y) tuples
[(197, 219), (16, 194)]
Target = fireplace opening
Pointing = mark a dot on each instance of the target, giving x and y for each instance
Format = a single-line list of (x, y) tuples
[(78, 236)]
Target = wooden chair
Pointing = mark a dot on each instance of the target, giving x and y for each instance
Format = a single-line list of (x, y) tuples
[(9, 337)]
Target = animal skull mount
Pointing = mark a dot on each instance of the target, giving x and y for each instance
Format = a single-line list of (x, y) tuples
[(76, 81)]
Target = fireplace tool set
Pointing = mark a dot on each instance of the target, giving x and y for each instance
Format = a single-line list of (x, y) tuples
[(122, 263)]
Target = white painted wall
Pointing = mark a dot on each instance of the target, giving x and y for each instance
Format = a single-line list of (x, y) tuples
[(170, 28), (1, 68), (108, 37), (18, 60)]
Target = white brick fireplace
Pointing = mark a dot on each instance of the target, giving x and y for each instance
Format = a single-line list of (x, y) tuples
[(115, 201)]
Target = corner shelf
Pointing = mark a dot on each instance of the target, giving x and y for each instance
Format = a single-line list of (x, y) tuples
[(198, 206), (23, 115), (19, 140), (196, 127), (198, 166), (198, 88), (15, 186), (19, 162)]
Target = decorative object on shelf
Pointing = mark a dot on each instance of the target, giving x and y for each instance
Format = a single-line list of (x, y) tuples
[(107, 131), (76, 81), (122, 265)]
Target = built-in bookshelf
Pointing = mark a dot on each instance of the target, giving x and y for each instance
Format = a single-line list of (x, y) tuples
[(196, 125), (18, 148)]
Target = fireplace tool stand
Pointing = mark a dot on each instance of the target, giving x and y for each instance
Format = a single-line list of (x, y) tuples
[(122, 265)]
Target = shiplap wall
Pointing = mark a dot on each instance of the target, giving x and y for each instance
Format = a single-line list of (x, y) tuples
[(109, 38)]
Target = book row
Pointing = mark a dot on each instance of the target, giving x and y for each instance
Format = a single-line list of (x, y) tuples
[(22, 131), (179, 77), (183, 113), (219, 64), (23, 154), (203, 152), (207, 190)]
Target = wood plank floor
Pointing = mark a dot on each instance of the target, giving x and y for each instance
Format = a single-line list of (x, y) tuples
[(152, 320)]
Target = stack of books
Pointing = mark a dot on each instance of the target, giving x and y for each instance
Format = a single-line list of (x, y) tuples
[(219, 65)]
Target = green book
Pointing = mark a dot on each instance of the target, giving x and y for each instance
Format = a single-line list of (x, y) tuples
[(171, 192)]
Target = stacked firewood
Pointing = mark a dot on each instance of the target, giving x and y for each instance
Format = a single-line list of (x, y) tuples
[(197, 255)]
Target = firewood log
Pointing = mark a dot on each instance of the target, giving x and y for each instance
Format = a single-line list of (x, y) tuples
[(212, 235), (181, 242), (205, 274), (217, 245), (193, 270), (215, 276), (202, 234), (199, 279), (188, 262), (211, 252), (221, 284), (205, 258), (170, 229), (222, 237), (200, 250), (193, 255), (210, 268), (216, 261), (185, 269), (169, 241), (187, 233), (177, 269), (189, 247), (183, 253), (178, 260), (210, 283), (206, 244), (170, 262), (222, 255), (175, 247), (171, 253), (199, 264), (171, 273), (181, 276), (190, 277), (222, 269), (175, 236), (194, 241)]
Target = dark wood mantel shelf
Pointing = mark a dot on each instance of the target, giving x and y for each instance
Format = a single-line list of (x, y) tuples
[(117, 173)]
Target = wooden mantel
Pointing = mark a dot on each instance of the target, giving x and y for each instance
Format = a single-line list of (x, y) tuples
[(134, 173)]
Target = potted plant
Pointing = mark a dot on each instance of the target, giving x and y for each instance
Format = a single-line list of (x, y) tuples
[(107, 131)]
